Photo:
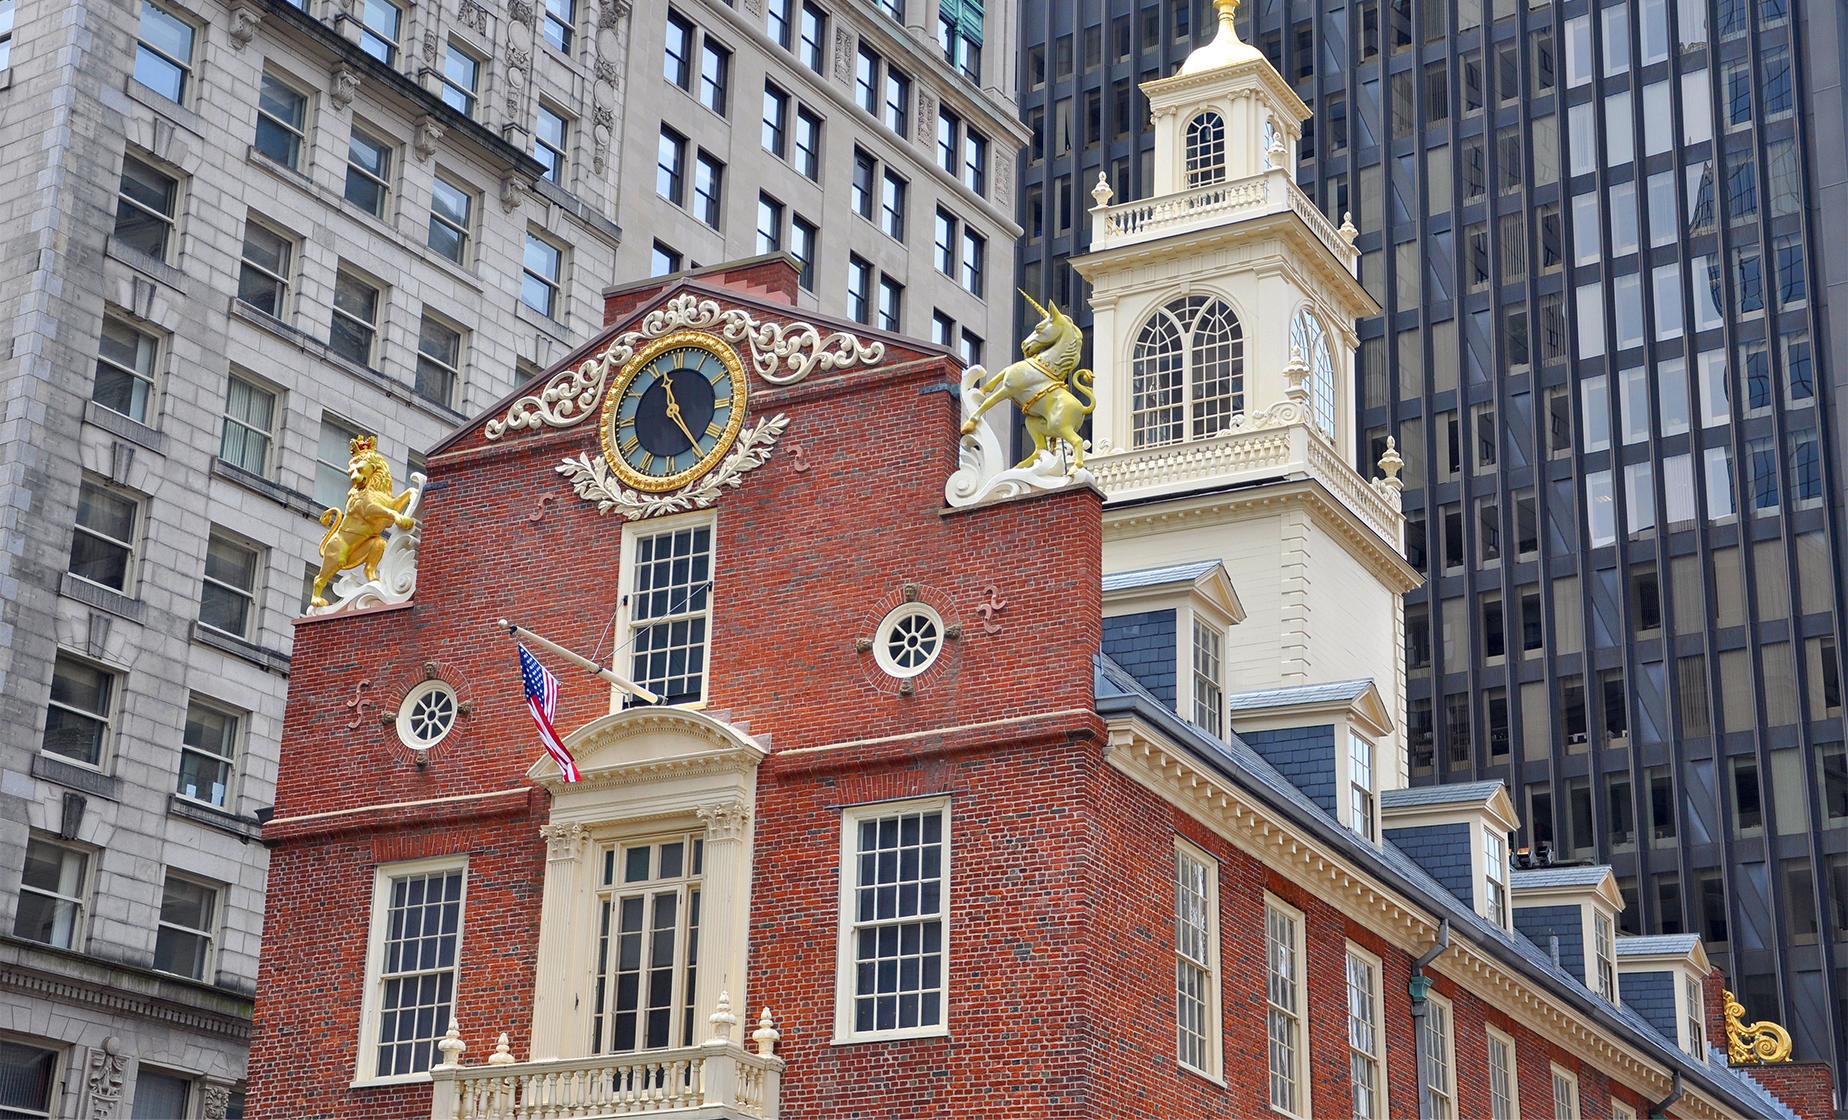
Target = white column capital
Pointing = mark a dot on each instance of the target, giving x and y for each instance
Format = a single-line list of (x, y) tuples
[(563, 839), (729, 820)]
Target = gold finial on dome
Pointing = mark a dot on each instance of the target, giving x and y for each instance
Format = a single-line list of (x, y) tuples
[(1226, 47)]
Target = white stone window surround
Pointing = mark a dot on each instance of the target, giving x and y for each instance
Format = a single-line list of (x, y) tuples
[(851, 817), (366, 1059), (644, 772)]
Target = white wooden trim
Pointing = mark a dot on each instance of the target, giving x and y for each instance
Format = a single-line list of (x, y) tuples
[(1379, 1022), (1301, 1050), (851, 816), (625, 577), (1514, 1074), (364, 1064), (1215, 1014), (1449, 1088), (1560, 1073)]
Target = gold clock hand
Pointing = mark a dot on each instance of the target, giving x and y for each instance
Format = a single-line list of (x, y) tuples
[(673, 412)]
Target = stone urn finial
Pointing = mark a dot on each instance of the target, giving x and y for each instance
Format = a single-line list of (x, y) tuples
[(1101, 192)]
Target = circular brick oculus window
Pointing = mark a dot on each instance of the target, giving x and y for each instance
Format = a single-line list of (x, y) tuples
[(909, 640), (427, 714)]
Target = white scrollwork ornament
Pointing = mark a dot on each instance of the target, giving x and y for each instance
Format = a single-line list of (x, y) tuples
[(983, 473), (593, 480), (781, 354)]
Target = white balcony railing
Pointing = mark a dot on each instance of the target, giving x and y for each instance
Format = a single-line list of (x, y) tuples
[(717, 1080), (1269, 192)]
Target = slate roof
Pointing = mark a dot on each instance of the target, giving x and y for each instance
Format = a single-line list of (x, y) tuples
[(1301, 694), (1158, 577), (1547, 878), (1655, 945), (1456, 793), (1118, 693)]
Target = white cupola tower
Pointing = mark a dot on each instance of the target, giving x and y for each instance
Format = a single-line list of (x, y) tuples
[(1223, 334)]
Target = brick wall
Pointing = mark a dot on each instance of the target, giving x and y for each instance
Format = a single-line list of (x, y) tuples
[(1807, 1088)]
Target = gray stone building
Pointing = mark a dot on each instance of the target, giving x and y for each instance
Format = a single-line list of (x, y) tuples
[(234, 235)]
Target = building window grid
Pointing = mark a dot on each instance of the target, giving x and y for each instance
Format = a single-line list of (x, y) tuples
[(381, 23), (282, 121), (1361, 793), (419, 947), (452, 211), (670, 612), (1366, 1036), (163, 51), (461, 77), (263, 273), (147, 208), (1504, 1085), (1196, 949), (895, 920), (1495, 877), (228, 596), (125, 363), (368, 175), (208, 753), (53, 894), (1565, 1095), (354, 327), (648, 919), (1205, 150), (1440, 1088), (1187, 372), (1209, 699), (439, 361), (550, 133), (184, 938), (104, 537), (542, 275), (249, 425)]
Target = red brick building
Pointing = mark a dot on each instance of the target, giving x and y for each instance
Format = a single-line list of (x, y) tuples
[(918, 827)]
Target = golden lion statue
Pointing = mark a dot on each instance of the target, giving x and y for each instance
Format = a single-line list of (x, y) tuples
[(1045, 384), (356, 536)]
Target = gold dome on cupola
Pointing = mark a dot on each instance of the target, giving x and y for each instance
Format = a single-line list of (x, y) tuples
[(1226, 49)]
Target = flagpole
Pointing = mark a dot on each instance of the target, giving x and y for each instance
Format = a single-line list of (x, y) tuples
[(522, 633)]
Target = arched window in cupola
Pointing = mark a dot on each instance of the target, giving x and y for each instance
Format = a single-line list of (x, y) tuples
[(1188, 372), (1309, 339), (1206, 149)]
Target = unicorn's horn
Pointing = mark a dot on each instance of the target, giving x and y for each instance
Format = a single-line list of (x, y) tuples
[(1034, 302)]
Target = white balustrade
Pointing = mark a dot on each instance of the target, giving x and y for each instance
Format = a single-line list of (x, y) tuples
[(1269, 192)]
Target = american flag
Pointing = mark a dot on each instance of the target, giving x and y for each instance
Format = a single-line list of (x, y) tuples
[(542, 702)]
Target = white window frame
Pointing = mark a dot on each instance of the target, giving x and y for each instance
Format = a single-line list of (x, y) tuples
[(1208, 645), (1212, 1043), (145, 341), (1364, 821), (374, 328), (1603, 957), (452, 372), (210, 931), (284, 287), (554, 285), (1494, 874), (1298, 1074), (632, 533), (252, 595), (1621, 1110), (112, 708), (170, 218), (60, 1063), (469, 96), (1513, 1072), (238, 720), (1377, 997), (1693, 1018), (80, 902), (366, 1060), (1446, 1092), (185, 66), (1569, 1108), (131, 569), (464, 230), (252, 386), (844, 972)]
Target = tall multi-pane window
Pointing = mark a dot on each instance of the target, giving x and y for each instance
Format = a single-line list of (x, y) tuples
[(974, 261), (648, 918), (1209, 697), (949, 133), (892, 192), (865, 173), (354, 328), (669, 594), (1495, 877), (1440, 1088), (249, 425), (811, 47), (943, 241), (1284, 994), (769, 224), (896, 113), (671, 167), (859, 289), (541, 275), (452, 213), (1366, 1036), (677, 62), (777, 23), (1565, 1095), (714, 76), (1310, 342), (807, 158), (776, 121), (1196, 963), (52, 891), (461, 80), (891, 303), (439, 361), (894, 913), (1694, 1018), (78, 715), (263, 275), (708, 189), (975, 161), (228, 598), (164, 52), (560, 24), (1504, 1084), (282, 121), (1205, 149), (147, 207), (125, 360), (1187, 371), (103, 543), (1361, 791), (805, 245), (867, 66), (208, 754), (415, 950), (184, 936), (1604, 934), (549, 137), (368, 175)]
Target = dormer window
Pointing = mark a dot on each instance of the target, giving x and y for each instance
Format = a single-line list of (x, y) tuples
[(1360, 787), (1495, 878), (1309, 339), (1209, 697), (1694, 1009), (1604, 935), (1206, 150), (1188, 372)]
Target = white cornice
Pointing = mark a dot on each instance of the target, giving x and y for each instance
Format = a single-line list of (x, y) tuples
[(1283, 845)]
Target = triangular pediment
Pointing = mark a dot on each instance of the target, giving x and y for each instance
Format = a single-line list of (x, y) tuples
[(651, 744)]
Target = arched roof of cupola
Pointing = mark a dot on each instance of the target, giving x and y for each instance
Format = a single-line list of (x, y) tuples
[(1226, 48), (652, 743)]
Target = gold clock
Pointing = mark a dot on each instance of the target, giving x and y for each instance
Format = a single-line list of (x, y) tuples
[(674, 410)]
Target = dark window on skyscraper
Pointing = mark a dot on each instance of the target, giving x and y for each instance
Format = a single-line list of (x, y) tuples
[(1558, 423), (1800, 901), (1668, 903), (1495, 714), (1572, 709), (1646, 598), (1418, 734), (1369, 29), (1748, 811), (1540, 817), (1661, 807), (1436, 93), (1543, 62), (1415, 553), (1456, 729), (1417, 637), (1453, 538), (1532, 629), (1713, 923), (1620, 812), (1579, 830), (1526, 527), (1494, 635), (1616, 708), (1488, 533)]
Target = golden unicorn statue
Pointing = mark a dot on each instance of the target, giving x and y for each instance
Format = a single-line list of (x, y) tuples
[(356, 536), (1045, 384)]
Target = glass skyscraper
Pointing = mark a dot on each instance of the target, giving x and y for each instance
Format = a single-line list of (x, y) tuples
[(1605, 357)]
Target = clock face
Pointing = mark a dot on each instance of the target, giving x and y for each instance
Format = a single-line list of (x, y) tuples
[(674, 411)]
